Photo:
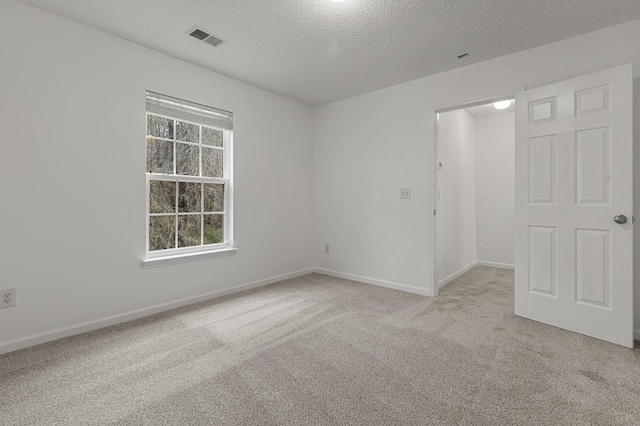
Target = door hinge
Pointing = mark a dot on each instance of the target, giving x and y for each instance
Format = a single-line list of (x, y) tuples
[(434, 212)]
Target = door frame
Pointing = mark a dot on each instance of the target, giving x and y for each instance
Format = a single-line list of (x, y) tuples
[(439, 109)]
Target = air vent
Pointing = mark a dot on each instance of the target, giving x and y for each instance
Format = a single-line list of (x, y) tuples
[(214, 41), (199, 34), (202, 35)]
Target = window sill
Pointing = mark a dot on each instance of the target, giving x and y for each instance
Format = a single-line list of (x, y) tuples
[(156, 262)]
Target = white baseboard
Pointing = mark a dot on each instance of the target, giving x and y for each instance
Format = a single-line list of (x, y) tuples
[(59, 333), (496, 264), (373, 281), (456, 274)]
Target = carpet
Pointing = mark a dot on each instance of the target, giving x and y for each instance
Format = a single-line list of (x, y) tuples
[(318, 350)]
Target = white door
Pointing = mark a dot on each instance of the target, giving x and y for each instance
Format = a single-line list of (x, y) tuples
[(574, 172)]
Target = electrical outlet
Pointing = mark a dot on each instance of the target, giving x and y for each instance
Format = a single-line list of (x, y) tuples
[(7, 297), (326, 249), (405, 193)]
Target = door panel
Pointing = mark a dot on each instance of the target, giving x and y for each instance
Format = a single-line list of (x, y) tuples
[(593, 273), (593, 158), (542, 258), (542, 170), (574, 170)]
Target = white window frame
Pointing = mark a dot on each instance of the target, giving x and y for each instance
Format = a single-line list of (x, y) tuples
[(226, 245)]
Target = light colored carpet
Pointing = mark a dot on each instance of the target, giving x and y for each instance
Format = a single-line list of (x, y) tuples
[(318, 350)]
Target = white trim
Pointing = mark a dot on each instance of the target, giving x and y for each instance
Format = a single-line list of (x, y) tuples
[(435, 155), (456, 274), (496, 264), (186, 178), (478, 100), (59, 333), (636, 334), (227, 168), (155, 262), (380, 283)]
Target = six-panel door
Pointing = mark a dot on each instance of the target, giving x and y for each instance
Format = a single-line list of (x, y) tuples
[(574, 265)]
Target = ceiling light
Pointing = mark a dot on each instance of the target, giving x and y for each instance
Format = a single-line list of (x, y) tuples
[(502, 104)]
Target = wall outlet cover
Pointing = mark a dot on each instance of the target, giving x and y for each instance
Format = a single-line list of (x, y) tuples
[(7, 297)]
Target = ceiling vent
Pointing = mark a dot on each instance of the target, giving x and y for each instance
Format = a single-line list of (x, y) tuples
[(203, 35)]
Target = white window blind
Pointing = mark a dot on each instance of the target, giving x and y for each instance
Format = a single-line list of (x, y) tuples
[(188, 111)]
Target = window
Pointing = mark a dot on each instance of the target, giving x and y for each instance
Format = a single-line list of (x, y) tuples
[(189, 176)]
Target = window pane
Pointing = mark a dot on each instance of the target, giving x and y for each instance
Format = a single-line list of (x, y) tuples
[(159, 156), (187, 132), (213, 197), (211, 162), (189, 197), (189, 231), (213, 232), (187, 162), (159, 127), (212, 137), (162, 197), (162, 232)]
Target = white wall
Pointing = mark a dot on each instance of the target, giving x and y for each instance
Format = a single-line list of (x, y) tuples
[(456, 205), (72, 102), (495, 188), (369, 146)]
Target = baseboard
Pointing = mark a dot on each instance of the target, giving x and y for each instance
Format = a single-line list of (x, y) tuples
[(456, 274), (496, 264), (59, 333), (373, 281)]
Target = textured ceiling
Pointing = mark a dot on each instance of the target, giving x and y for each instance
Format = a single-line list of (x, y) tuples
[(316, 51)]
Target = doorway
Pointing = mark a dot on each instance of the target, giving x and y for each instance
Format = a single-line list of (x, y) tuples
[(573, 205), (475, 191)]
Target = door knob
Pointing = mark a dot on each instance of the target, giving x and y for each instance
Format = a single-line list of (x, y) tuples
[(620, 219)]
